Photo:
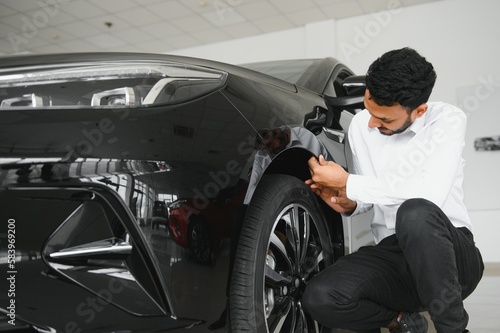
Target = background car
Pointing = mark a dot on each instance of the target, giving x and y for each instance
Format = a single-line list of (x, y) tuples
[(160, 215), (487, 143), (203, 230), (90, 142)]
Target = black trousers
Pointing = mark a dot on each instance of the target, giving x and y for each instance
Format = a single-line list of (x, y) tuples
[(427, 265)]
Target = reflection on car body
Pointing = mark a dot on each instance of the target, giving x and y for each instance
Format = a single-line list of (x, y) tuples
[(202, 228), (271, 142), (100, 153)]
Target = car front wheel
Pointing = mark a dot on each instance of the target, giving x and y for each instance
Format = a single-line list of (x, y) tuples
[(284, 242)]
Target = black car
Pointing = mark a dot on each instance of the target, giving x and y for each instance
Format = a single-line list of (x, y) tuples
[(487, 143), (93, 146)]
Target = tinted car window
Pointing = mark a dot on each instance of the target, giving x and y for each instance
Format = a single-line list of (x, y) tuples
[(288, 70)]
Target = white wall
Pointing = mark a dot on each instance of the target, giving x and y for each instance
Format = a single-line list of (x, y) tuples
[(460, 38)]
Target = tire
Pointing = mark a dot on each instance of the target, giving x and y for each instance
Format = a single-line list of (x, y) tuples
[(284, 242), (199, 241)]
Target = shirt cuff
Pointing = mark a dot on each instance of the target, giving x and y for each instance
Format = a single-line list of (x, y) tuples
[(353, 186)]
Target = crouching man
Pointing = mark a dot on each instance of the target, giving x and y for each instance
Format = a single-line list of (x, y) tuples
[(408, 168)]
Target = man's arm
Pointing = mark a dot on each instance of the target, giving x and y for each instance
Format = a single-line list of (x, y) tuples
[(426, 169)]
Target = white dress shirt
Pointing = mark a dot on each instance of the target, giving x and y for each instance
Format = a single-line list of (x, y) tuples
[(425, 161)]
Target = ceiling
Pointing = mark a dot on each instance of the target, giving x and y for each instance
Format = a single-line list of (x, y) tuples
[(48, 26)]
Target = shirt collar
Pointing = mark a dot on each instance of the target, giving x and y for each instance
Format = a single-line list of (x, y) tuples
[(418, 124)]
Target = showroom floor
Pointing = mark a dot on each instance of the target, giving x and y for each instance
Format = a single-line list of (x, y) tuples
[(483, 305)]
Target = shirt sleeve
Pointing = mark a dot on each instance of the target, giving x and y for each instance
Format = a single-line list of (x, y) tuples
[(424, 168), (361, 207)]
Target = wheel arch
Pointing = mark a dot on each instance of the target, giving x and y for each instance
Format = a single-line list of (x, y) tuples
[(293, 162)]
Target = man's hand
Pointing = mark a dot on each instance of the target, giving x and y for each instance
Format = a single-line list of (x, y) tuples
[(328, 181), (327, 174), (337, 200)]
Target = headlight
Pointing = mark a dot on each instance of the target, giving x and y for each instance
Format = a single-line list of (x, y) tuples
[(106, 85)]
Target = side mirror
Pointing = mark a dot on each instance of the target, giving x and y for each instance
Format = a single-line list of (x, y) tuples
[(348, 103), (354, 85)]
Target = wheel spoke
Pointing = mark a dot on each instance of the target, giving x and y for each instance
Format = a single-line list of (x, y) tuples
[(289, 316), (278, 249), (290, 321), (293, 232), (274, 279), (297, 237), (313, 257), (280, 314), (301, 320), (290, 234), (298, 222), (305, 236)]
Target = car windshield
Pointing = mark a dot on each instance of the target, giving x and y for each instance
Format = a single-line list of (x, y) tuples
[(287, 70)]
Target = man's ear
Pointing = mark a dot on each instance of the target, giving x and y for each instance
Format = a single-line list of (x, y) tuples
[(420, 110)]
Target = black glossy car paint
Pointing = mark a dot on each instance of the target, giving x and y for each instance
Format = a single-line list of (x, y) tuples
[(111, 164)]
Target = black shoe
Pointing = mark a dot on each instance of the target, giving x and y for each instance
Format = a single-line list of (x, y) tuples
[(411, 323)]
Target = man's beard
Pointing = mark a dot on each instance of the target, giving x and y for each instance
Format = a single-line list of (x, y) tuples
[(403, 128)]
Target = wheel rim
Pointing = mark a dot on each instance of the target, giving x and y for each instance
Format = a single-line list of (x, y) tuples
[(294, 256), (200, 242)]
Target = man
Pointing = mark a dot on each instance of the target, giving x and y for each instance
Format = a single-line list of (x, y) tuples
[(408, 168)]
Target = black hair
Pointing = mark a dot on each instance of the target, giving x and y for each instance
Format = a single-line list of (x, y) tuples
[(401, 76)]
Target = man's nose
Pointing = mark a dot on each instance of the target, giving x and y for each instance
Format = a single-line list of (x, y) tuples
[(374, 122)]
